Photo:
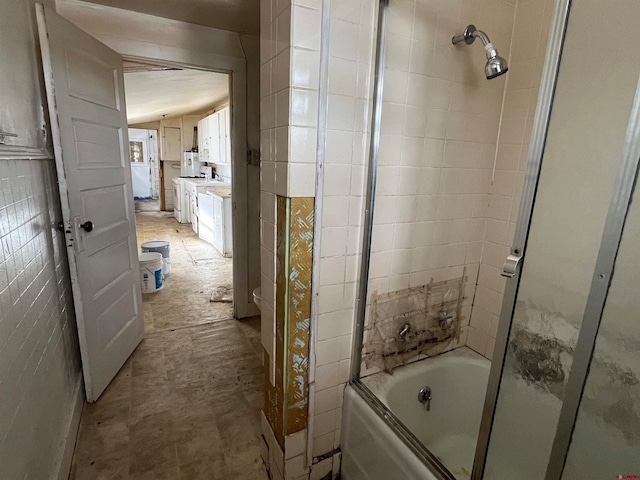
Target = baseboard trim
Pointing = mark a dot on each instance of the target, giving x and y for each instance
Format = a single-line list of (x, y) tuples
[(68, 442)]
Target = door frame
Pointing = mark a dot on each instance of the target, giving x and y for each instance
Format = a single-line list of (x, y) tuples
[(536, 151), (236, 70), (151, 51)]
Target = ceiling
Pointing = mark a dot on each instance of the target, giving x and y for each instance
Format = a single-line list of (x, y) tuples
[(155, 92), (242, 16)]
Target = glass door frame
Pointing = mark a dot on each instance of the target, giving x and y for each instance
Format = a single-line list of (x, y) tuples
[(412, 442)]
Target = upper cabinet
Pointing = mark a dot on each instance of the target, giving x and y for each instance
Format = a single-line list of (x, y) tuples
[(22, 98), (171, 139), (214, 137)]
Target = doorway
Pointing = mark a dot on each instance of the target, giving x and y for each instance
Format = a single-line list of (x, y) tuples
[(180, 144), (145, 169)]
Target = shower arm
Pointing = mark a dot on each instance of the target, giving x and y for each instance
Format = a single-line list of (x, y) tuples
[(469, 36)]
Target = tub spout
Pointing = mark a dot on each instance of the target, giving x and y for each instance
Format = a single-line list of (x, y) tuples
[(424, 397)]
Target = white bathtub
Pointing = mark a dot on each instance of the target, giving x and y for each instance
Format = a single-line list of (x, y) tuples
[(371, 450)]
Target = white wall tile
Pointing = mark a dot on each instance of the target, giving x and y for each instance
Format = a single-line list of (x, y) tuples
[(305, 71), (344, 40), (306, 28)]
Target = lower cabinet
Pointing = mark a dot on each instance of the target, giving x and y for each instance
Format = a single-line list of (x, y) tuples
[(214, 221)]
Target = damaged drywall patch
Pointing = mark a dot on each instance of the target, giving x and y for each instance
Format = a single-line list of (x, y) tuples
[(402, 325)]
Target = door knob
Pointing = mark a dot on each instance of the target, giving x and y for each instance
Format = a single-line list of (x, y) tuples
[(87, 226)]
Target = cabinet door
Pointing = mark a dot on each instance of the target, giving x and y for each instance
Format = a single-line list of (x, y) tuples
[(224, 136), (218, 227), (171, 144), (201, 146), (214, 137)]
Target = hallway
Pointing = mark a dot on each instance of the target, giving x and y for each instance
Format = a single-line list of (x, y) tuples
[(186, 405)]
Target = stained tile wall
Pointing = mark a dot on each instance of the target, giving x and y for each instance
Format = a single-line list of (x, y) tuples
[(290, 65), (440, 123), (531, 30), (39, 356)]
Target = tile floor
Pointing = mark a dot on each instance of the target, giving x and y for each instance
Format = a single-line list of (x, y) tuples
[(187, 403)]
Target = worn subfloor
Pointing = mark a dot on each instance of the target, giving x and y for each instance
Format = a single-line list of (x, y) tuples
[(147, 205), (186, 405)]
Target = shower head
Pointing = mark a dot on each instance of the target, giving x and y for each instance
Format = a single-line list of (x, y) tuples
[(496, 65)]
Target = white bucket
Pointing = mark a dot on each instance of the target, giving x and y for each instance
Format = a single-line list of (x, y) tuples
[(162, 247), (150, 272)]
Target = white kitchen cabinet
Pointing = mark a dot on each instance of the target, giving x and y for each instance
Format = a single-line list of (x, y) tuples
[(214, 137), (171, 144), (203, 139), (215, 223), (225, 135), (205, 217)]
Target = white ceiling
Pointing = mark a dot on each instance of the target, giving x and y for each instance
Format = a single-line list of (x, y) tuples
[(172, 93), (242, 16)]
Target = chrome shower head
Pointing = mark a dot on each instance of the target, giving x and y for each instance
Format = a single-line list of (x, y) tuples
[(496, 65)]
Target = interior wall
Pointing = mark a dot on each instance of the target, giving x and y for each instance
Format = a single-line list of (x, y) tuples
[(531, 30), (251, 48), (289, 71), (40, 378)]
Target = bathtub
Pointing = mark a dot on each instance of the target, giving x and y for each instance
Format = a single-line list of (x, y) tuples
[(371, 450)]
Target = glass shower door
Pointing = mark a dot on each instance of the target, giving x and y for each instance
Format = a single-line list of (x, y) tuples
[(582, 157), (606, 437)]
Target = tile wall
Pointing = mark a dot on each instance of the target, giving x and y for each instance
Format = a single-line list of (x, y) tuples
[(289, 72), (437, 206), (440, 123), (290, 66), (351, 42), (39, 355), (531, 29)]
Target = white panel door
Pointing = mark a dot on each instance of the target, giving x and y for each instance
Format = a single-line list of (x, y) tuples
[(85, 93), (172, 142)]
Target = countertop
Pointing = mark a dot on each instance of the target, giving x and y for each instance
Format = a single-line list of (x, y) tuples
[(200, 182), (223, 190)]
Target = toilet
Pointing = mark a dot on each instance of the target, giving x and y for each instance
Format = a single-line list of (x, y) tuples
[(257, 297)]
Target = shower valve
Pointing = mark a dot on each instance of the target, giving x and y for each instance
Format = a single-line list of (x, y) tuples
[(446, 320)]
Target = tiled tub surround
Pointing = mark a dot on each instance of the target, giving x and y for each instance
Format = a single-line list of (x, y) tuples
[(413, 323), (529, 43), (436, 179), (448, 427), (439, 131)]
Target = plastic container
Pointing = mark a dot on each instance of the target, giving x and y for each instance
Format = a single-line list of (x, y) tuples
[(158, 246), (150, 272)]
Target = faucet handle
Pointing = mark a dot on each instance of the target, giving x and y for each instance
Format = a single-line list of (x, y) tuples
[(404, 331)]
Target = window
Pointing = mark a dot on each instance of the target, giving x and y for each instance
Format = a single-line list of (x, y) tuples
[(135, 152)]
